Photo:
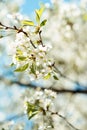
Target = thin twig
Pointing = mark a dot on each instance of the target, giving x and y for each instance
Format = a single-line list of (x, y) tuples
[(68, 122), (65, 77), (64, 118), (18, 31), (41, 38)]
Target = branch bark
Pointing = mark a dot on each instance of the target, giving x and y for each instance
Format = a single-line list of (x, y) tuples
[(30, 85)]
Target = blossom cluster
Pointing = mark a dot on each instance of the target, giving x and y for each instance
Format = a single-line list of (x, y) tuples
[(33, 60), (41, 105), (68, 23), (29, 53)]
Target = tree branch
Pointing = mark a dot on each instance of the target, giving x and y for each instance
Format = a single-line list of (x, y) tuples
[(30, 85), (21, 30), (64, 118), (18, 31), (41, 38)]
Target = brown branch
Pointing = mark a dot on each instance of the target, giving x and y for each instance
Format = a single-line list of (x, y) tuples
[(41, 38), (18, 31), (21, 30), (61, 116), (64, 118), (56, 69), (30, 85), (65, 91), (72, 91), (42, 88)]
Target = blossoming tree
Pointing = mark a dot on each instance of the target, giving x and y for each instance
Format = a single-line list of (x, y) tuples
[(50, 50)]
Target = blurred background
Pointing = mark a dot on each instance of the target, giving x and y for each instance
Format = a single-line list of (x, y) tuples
[(66, 31)]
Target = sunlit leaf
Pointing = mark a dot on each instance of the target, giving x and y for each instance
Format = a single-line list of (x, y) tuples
[(39, 14), (22, 68), (19, 52), (47, 76), (40, 11), (27, 23)]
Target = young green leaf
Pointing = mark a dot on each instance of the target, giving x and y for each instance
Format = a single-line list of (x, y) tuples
[(27, 23), (33, 68), (47, 76), (40, 11), (22, 68), (43, 23), (19, 52), (32, 110), (39, 14), (21, 58)]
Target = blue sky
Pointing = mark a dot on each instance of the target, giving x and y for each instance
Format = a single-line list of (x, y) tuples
[(30, 5)]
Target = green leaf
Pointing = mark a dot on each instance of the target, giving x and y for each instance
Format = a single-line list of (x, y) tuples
[(21, 58), (27, 23), (19, 52), (32, 114), (47, 76), (33, 68), (22, 68), (12, 64), (43, 23), (32, 110), (39, 14), (55, 77), (40, 11)]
